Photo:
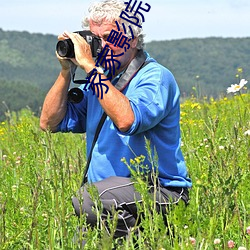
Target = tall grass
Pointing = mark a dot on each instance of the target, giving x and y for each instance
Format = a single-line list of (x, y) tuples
[(40, 172)]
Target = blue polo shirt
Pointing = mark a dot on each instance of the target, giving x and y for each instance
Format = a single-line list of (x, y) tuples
[(154, 97)]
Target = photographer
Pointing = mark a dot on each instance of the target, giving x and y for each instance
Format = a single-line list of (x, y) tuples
[(142, 102)]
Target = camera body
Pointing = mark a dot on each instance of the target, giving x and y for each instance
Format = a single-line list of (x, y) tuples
[(65, 48)]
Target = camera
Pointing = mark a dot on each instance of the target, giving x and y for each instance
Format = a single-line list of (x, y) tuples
[(65, 48), (75, 95)]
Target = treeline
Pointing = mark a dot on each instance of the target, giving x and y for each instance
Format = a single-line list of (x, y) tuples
[(16, 95), (28, 68), (210, 64), (204, 67)]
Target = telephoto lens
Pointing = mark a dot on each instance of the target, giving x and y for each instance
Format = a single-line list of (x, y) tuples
[(65, 48), (75, 95)]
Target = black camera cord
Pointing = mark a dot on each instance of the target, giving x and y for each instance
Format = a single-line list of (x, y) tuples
[(137, 63)]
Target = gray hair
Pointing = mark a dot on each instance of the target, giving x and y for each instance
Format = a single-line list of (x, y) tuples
[(110, 10)]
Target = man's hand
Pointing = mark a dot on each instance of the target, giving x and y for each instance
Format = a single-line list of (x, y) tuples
[(66, 63), (83, 54)]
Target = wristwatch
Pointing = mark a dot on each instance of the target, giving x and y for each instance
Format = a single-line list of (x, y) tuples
[(99, 70)]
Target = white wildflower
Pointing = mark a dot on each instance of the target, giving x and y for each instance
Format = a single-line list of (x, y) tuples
[(22, 210), (217, 241), (247, 133), (237, 87), (192, 240), (242, 248), (14, 188)]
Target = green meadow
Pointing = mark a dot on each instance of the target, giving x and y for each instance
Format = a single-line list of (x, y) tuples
[(40, 172)]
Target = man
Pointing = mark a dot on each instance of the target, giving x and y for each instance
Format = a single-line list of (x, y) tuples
[(145, 106)]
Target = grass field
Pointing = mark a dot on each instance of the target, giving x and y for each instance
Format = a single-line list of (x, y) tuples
[(40, 172)]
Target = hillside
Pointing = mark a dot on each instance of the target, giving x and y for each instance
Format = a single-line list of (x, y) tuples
[(210, 63), (28, 57), (28, 66)]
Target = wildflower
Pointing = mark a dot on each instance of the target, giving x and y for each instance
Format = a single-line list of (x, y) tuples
[(45, 216), (230, 244), (216, 241), (195, 106), (14, 188), (248, 230), (237, 87), (242, 248), (240, 70), (22, 210), (137, 159), (247, 133), (192, 240), (221, 147), (198, 182), (123, 159), (132, 162)]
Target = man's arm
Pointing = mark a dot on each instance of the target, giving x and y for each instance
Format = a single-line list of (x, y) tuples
[(55, 103), (114, 103), (117, 106)]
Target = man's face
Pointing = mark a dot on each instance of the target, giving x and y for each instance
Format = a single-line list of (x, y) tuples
[(103, 32)]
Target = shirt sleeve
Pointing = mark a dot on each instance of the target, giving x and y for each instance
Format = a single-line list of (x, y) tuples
[(152, 98), (75, 118)]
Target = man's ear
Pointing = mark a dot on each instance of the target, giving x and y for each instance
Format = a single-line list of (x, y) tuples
[(134, 42)]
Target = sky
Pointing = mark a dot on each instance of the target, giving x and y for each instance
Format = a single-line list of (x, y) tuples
[(166, 20)]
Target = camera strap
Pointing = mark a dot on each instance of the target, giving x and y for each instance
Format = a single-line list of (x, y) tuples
[(136, 64)]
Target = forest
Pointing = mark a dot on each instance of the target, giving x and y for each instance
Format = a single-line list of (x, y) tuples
[(202, 67)]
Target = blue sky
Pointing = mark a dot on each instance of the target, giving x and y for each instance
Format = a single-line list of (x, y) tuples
[(167, 19)]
